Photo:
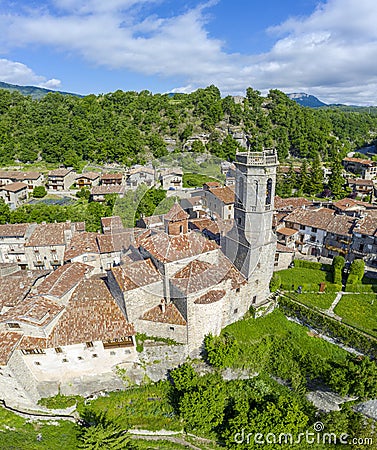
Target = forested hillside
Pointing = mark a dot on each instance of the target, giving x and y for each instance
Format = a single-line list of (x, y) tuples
[(129, 127)]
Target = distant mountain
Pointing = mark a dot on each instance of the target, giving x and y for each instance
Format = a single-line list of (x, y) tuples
[(306, 100), (33, 91)]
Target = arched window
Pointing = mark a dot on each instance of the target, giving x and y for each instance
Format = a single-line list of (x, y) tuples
[(256, 192), (269, 192)]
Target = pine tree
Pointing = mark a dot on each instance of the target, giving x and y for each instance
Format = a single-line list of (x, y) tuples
[(316, 179), (336, 180)]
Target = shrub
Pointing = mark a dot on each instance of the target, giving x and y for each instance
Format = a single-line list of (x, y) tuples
[(356, 273), (337, 268), (39, 192), (307, 264), (275, 282)]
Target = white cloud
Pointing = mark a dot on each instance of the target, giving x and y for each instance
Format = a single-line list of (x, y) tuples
[(332, 53), (17, 73)]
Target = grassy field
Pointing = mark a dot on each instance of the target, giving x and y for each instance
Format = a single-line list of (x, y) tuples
[(302, 276), (18, 434), (360, 311), (259, 339), (320, 300)]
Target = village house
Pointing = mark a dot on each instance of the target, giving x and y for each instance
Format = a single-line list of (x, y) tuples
[(284, 257), (46, 344), (140, 175), (111, 225), (61, 179), (171, 179), (218, 200), (87, 180), (364, 243), (364, 167), (111, 179), (149, 222), (13, 238), (193, 206), (360, 187), (98, 193), (83, 248), (32, 179), (14, 193), (311, 225), (46, 245)]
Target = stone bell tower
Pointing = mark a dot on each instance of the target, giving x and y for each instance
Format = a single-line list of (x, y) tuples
[(251, 243)]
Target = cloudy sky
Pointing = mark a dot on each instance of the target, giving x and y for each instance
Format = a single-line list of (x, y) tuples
[(326, 48)]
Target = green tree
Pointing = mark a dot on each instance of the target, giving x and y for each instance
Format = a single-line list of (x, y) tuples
[(336, 180), (39, 192), (4, 212)]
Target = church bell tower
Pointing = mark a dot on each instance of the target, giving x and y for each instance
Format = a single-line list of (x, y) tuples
[(251, 243)]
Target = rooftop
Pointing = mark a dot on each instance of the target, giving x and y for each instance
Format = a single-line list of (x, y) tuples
[(13, 187), (210, 297), (9, 341), (89, 175), (81, 244), (63, 279), (46, 234), (136, 274), (59, 172), (165, 314), (316, 218), (224, 194), (176, 214), (14, 230)]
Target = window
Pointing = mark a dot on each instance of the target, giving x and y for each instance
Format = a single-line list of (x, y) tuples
[(235, 311), (238, 290), (37, 363), (80, 358), (94, 355), (239, 220), (254, 299), (171, 328), (13, 325), (276, 257), (314, 230), (302, 227), (64, 360), (33, 351), (58, 350), (89, 344)]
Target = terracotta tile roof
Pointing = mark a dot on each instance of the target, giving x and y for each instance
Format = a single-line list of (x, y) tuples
[(341, 225), (317, 218), (141, 169), (116, 242), (81, 244), (59, 172), (89, 175), (364, 162), (210, 297), (13, 187), (153, 220), (37, 311), (136, 274), (111, 176), (173, 171), (283, 248), (110, 224), (15, 287), (212, 184), (169, 314), (199, 275), (360, 182), (167, 248), (347, 204), (31, 342), (206, 224), (368, 224), (224, 194), (289, 204), (176, 214), (26, 175), (107, 189), (63, 279), (14, 230), (46, 234), (79, 226), (286, 231), (9, 341), (92, 314)]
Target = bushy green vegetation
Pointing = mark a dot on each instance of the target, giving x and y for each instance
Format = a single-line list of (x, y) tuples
[(60, 401), (360, 311), (337, 268), (195, 180), (39, 192), (356, 272), (128, 127), (320, 300)]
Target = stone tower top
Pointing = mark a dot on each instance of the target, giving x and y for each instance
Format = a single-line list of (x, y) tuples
[(267, 157)]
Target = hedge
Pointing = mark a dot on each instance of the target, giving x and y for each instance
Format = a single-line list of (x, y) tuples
[(310, 287), (330, 327)]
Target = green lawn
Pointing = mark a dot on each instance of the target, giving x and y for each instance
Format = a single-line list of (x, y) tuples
[(195, 180), (320, 300), (360, 311), (301, 276)]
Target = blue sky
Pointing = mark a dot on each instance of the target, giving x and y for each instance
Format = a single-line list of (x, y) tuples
[(326, 48)]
